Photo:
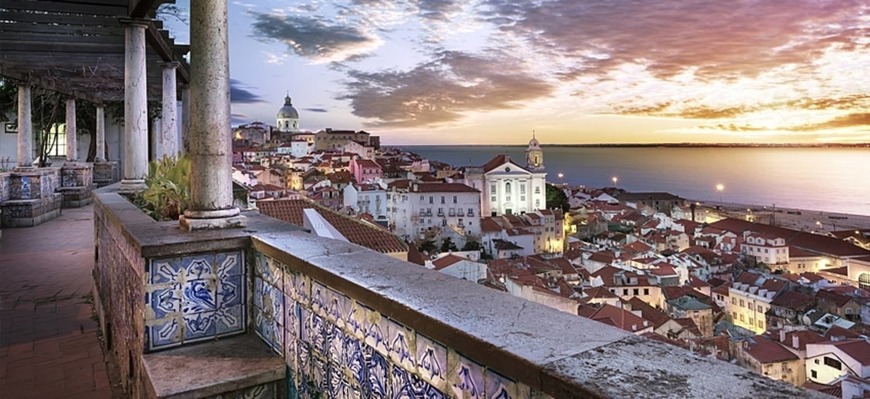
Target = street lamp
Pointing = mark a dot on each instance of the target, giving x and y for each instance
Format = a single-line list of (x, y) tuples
[(615, 179), (720, 188)]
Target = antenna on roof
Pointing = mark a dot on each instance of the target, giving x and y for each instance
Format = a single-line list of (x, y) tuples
[(533, 133)]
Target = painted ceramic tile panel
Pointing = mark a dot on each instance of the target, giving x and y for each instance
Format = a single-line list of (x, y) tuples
[(432, 361), (400, 343), (194, 297), (465, 377), (501, 387)]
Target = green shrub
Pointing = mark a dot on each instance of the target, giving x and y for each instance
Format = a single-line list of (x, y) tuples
[(168, 192)]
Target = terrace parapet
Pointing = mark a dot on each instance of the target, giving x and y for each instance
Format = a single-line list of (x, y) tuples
[(274, 311)]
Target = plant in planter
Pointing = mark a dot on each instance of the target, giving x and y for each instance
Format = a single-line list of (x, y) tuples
[(168, 192)]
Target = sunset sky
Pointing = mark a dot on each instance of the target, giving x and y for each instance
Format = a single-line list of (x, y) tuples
[(591, 71)]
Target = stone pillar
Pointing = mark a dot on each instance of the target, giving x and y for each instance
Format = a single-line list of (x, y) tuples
[(25, 128), (101, 134), (185, 119), (154, 138), (211, 196), (168, 121), (72, 150), (135, 108)]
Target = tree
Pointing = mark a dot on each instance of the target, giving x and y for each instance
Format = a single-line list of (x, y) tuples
[(556, 198), (427, 246), (471, 246), (447, 245)]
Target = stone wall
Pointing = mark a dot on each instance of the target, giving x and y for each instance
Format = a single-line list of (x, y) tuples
[(30, 197), (350, 322)]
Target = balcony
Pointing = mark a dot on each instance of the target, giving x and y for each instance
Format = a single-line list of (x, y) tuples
[(305, 306)]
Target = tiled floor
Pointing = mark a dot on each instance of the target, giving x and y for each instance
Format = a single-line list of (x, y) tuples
[(49, 345)]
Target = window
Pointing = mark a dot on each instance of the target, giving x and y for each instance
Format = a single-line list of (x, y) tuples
[(523, 198), (833, 363), (492, 188), (742, 305), (537, 189), (864, 280), (470, 211), (454, 199), (442, 199), (733, 301), (814, 374), (636, 292), (492, 198), (507, 187), (522, 188), (625, 291), (646, 291), (537, 203), (431, 199), (760, 309), (57, 141), (508, 198)]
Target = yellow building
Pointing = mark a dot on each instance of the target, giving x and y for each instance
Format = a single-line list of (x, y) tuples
[(749, 300)]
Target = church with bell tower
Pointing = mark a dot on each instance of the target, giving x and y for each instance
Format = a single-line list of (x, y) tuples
[(509, 188)]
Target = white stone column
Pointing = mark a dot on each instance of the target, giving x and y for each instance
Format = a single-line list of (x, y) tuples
[(101, 134), (154, 137), (25, 128), (169, 117), (211, 196), (135, 108), (185, 119), (72, 150)]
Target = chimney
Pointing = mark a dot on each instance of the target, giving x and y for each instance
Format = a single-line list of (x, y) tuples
[(795, 341)]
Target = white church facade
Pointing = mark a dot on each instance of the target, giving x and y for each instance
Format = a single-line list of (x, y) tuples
[(508, 188)]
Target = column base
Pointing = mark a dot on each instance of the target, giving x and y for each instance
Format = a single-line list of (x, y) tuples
[(129, 186), (231, 222)]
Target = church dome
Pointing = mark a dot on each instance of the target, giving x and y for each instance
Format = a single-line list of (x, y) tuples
[(287, 111), (533, 143)]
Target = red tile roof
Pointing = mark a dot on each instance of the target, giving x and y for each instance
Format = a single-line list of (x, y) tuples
[(807, 241), (858, 349), (793, 300), (447, 261), (357, 232), (495, 162), (768, 351), (655, 316), (445, 188), (614, 316)]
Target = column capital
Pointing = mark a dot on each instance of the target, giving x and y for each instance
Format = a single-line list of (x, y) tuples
[(136, 22), (169, 64)]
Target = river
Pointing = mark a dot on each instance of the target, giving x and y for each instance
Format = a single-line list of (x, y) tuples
[(825, 179)]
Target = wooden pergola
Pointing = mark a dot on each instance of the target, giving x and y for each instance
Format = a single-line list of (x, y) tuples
[(76, 47)]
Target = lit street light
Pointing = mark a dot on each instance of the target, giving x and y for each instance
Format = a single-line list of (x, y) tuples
[(720, 188), (615, 179)]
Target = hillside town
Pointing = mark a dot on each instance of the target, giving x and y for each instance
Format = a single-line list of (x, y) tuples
[(791, 305)]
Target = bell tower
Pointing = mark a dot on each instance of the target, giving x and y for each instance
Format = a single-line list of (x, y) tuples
[(534, 155)]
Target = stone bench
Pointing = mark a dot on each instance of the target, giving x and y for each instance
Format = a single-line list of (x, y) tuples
[(240, 366)]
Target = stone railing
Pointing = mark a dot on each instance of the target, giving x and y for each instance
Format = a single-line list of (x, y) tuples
[(270, 311)]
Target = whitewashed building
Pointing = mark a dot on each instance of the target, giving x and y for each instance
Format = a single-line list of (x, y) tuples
[(367, 198), (508, 188), (415, 208)]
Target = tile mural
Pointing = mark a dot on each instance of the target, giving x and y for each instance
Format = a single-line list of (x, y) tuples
[(336, 347), (193, 298)]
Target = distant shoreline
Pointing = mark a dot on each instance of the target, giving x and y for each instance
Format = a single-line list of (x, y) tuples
[(656, 145)]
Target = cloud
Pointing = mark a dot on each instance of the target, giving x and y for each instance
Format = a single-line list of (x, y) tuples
[(721, 39), (240, 94), (442, 90), (853, 120), (239, 119), (315, 109), (314, 38)]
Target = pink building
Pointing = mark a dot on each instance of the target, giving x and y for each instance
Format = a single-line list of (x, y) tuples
[(366, 170)]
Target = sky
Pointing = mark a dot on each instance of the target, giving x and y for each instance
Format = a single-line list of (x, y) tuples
[(572, 72)]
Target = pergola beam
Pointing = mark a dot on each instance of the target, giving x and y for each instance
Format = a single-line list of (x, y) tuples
[(50, 84)]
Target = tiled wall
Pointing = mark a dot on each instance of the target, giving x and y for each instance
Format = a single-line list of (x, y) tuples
[(338, 347), (193, 298)]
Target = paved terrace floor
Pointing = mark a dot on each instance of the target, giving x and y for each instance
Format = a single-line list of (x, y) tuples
[(49, 342)]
